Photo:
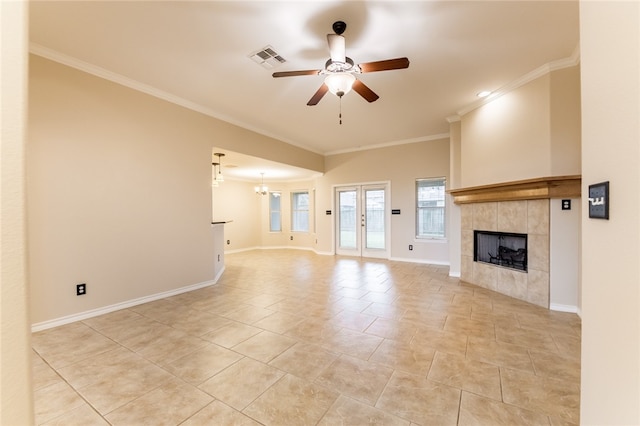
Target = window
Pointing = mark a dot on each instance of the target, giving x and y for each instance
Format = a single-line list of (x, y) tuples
[(315, 224), (275, 222), (300, 211), (430, 204)]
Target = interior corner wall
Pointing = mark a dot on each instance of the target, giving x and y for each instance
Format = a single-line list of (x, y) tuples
[(566, 137), (16, 389), (454, 223), (287, 238), (530, 132), (508, 138), (610, 306), (236, 202), (400, 165), (119, 191), (564, 255)]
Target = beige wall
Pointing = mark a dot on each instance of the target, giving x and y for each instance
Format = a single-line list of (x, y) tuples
[(235, 201), (610, 299), (507, 139), (400, 165), (287, 238), (119, 191), (565, 122), (454, 211), (16, 396), (531, 132), (610, 52), (564, 255)]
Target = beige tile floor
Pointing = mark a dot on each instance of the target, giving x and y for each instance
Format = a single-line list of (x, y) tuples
[(294, 338)]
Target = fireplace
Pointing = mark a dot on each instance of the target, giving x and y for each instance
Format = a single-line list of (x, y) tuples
[(526, 208), (507, 271), (505, 249)]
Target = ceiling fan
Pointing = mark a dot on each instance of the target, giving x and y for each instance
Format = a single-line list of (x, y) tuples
[(340, 70)]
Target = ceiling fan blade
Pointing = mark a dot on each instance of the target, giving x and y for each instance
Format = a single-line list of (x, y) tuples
[(389, 64), (337, 48), (295, 73), (364, 91), (318, 95)]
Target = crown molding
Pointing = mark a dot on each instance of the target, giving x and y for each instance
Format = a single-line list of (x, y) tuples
[(388, 144), (75, 63), (72, 62), (543, 70)]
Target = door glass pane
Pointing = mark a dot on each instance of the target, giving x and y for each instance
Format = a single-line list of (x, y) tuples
[(347, 219), (374, 200)]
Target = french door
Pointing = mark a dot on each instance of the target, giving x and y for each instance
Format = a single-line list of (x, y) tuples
[(361, 220)]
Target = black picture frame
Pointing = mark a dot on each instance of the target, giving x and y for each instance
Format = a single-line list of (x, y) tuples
[(599, 200)]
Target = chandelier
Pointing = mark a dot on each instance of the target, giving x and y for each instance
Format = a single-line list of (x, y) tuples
[(219, 177), (214, 180), (262, 189)]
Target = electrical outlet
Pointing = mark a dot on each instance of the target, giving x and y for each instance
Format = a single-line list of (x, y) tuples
[(292, 238), (410, 246), (228, 242), (81, 289)]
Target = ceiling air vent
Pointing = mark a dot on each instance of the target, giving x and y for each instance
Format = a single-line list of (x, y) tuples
[(267, 58)]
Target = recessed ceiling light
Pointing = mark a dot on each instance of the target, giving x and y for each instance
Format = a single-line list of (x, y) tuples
[(484, 94)]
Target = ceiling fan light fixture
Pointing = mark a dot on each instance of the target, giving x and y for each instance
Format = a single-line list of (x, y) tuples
[(340, 83)]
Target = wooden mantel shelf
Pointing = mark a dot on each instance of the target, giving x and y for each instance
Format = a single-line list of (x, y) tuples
[(529, 189)]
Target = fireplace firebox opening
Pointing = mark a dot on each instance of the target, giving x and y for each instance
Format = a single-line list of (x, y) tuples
[(508, 250)]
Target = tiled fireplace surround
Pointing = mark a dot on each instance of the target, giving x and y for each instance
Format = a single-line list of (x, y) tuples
[(524, 217), (518, 207)]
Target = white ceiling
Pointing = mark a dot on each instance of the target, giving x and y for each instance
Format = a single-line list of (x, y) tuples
[(196, 53)]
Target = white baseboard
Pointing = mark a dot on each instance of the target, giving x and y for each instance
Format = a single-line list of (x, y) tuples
[(563, 308), (241, 250), (268, 248), (284, 248), (425, 261), (331, 253), (454, 274), (122, 305)]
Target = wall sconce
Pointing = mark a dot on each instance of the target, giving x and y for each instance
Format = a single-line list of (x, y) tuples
[(219, 177), (262, 189)]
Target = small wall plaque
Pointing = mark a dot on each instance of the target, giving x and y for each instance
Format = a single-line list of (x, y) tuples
[(599, 200)]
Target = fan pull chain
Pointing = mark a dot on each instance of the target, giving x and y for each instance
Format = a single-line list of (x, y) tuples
[(340, 113)]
